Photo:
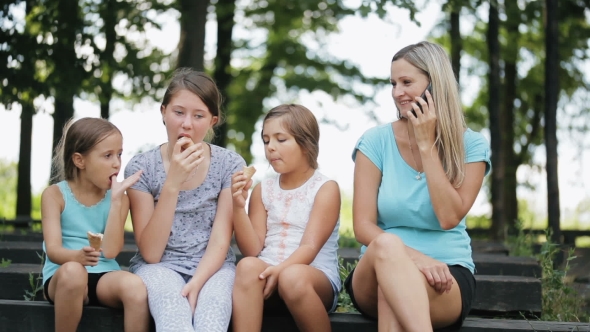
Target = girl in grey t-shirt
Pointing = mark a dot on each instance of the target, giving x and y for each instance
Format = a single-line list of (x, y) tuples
[(181, 210)]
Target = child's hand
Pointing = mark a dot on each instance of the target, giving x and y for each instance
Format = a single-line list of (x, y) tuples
[(191, 292), (118, 188), (239, 189), (87, 256), (184, 162), (271, 274)]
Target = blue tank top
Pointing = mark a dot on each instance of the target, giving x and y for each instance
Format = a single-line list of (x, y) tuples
[(76, 220)]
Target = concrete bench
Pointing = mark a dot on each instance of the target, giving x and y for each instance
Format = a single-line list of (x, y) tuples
[(23, 316), (495, 294)]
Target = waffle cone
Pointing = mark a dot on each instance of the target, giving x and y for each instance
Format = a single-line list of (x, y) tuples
[(186, 145), (95, 240), (249, 172)]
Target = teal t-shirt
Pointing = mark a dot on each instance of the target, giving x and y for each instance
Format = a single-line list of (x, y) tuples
[(76, 221), (404, 207)]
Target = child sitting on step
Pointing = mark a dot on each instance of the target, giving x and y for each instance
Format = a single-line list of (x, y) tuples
[(289, 236), (89, 199)]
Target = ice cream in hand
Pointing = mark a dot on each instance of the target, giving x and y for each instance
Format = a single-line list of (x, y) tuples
[(95, 240), (249, 172)]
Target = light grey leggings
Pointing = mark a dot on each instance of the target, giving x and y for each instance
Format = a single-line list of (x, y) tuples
[(171, 311)]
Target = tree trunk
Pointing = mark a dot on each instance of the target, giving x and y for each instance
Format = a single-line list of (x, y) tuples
[(23, 187), (69, 71), (507, 161), (225, 10), (108, 58), (456, 41), (191, 47), (498, 154), (551, 97)]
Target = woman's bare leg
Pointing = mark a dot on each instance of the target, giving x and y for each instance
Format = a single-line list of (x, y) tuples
[(248, 300), (386, 265), (386, 320)]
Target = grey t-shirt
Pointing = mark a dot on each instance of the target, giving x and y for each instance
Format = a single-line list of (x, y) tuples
[(195, 210)]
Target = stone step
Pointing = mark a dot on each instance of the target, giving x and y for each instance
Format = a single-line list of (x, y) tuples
[(489, 264), (507, 296), (25, 316), (29, 236), (495, 294), (28, 252), (482, 246), (493, 264)]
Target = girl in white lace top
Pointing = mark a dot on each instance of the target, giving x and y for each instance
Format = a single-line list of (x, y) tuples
[(289, 236)]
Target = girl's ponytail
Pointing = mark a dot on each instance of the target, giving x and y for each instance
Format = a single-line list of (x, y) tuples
[(58, 160)]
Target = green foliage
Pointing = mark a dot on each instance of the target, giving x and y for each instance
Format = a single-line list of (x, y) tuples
[(347, 240), (522, 243), (8, 176), (560, 300), (522, 45), (344, 302), (35, 282), (5, 263), (479, 221), (290, 57)]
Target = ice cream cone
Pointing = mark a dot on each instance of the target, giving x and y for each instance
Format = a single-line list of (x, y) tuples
[(95, 240), (249, 172), (186, 145)]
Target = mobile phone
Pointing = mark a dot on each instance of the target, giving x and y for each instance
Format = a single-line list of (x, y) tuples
[(423, 96)]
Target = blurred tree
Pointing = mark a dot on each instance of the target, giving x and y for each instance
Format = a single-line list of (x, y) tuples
[(290, 57), (225, 12), (191, 47), (21, 84), (121, 48), (496, 117), (63, 49), (522, 95), (551, 97), (8, 175)]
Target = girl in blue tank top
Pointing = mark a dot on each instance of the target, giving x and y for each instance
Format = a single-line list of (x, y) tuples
[(88, 199)]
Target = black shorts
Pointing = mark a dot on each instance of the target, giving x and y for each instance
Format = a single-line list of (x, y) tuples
[(93, 279), (465, 281)]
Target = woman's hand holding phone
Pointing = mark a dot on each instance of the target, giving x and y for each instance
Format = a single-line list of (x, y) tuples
[(423, 96)]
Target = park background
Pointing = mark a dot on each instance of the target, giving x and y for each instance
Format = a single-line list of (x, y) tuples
[(365, 36)]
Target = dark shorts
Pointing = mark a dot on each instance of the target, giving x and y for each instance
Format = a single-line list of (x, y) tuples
[(465, 281), (92, 283)]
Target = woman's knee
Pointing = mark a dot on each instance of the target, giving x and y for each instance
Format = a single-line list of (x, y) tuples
[(71, 276), (387, 246)]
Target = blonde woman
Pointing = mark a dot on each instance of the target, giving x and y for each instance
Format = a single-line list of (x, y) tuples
[(415, 179)]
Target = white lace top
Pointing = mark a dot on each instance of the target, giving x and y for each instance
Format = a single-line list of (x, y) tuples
[(287, 216)]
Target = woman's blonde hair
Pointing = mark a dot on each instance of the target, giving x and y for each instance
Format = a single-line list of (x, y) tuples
[(434, 62), (303, 125)]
